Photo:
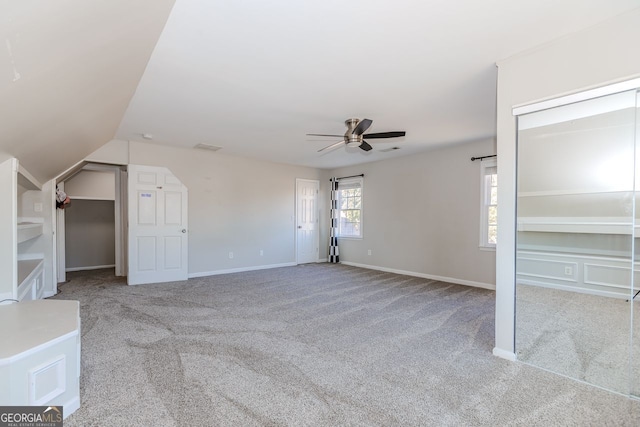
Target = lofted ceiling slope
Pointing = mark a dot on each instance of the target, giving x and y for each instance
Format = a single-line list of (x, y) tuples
[(254, 77), (68, 70)]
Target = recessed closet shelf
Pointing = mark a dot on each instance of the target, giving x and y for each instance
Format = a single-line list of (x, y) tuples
[(28, 231)]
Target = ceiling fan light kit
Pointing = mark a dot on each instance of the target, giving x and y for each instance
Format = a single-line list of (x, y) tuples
[(355, 135)]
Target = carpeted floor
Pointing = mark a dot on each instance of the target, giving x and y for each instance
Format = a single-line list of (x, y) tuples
[(579, 335), (316, 345)]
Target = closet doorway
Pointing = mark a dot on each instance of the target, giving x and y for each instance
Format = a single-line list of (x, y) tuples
[(91, 230)]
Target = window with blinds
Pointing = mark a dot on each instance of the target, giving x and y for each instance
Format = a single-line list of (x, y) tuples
[(350, 207), (489, 204)]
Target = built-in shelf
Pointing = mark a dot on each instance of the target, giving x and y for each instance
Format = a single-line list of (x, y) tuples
[(28, 231), (611, 225), (27, 181), (26, 268), (22, 276), (30, 279), (574, 192)]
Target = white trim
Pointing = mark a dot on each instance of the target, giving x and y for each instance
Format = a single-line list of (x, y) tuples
[(577, 97), (91, 267), (504, 354), (424, 275), (71, 406), (573, 111), (102, 199), (59, 364), (241, 269)]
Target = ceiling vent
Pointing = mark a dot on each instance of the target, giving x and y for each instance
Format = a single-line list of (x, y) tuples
[(386, 150), (207, 147)]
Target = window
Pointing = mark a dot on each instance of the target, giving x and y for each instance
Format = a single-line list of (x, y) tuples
[(350, 207), (489, 204)]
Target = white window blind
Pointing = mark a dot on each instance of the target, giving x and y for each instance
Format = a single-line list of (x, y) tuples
[(489, 204), (350, 207)]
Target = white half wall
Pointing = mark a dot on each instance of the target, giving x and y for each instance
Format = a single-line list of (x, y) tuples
[(421, 215), (594, 57), (236, 205)]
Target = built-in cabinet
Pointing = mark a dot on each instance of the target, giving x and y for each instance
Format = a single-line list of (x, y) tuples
[(21, 233), (40, 354), (40, 350)]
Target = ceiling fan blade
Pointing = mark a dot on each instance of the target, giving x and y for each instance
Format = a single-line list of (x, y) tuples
[(365, 146), (380, 135), (363, 125), (331, 147), (322, 134)]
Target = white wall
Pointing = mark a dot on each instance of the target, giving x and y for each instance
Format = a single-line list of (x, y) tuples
[(598, 55), (422, 215), (89, 184), (236, 205), (90, 234), (115, 152)]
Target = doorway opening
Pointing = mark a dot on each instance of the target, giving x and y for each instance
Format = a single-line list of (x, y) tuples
[(91, 230)]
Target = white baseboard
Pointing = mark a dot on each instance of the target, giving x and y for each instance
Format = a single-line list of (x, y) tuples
[(504, 354), (70, 407), (240, 270), (92, 267), (424, 276)]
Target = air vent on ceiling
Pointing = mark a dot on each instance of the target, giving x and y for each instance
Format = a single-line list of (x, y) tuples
[(386, 150), (207, 147)]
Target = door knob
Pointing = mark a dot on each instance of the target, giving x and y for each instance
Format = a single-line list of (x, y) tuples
[(299, 226), (184, 230)]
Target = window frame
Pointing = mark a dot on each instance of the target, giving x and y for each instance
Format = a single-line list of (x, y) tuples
[(346, 181), (485, 202)]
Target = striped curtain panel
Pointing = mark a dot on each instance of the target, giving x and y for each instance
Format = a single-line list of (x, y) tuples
[(334, 252)]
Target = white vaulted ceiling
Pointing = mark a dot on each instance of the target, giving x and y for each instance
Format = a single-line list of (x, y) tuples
[(254, 76), (68, 70)]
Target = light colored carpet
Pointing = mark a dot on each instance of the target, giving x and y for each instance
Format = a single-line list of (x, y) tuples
[(316, 345), (579, 335)]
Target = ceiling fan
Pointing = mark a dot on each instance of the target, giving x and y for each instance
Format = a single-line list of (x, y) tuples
[(355, 135)]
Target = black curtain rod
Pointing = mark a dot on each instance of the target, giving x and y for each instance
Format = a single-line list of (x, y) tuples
[(352, 176), (483, 157)]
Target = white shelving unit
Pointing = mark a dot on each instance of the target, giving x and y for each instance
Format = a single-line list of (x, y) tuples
[(40, 350), (28, 231), (21, 227)]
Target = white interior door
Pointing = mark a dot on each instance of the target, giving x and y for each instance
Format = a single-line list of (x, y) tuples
[(307, 230), (158, 237)]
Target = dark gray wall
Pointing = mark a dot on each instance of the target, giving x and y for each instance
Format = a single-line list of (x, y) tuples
[(90, 233)]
